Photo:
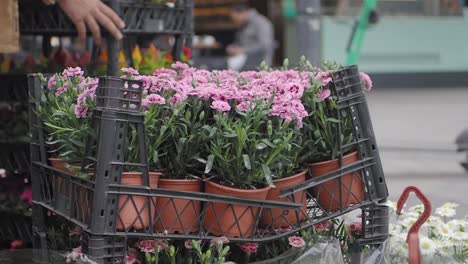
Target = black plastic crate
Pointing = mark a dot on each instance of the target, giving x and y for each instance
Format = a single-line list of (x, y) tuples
[(98, 205), (15, 156), (140, 18), (15, 227), (14, 88)]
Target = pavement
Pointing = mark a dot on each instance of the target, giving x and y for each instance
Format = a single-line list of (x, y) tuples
[(416, 130)]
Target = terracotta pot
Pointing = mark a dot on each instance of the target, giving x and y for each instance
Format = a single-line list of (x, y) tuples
[(128, 212), (60, 164), (276, 217), (178, 215), (222, 219), (328, 193)]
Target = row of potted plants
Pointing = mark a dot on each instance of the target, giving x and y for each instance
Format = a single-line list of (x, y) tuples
[(249, 134)]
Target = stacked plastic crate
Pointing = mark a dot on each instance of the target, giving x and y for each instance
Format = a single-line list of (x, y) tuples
[(101, 206)]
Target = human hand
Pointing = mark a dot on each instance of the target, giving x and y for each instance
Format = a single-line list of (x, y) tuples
[(233, 50), (91, 13)]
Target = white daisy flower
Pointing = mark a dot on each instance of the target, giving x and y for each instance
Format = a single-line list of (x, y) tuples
[(447, 210), (428, 247)]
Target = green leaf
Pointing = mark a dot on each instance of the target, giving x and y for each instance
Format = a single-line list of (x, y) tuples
[(269, 143), (230, 135), (261, 146), (226, 250), (155, 156), (209, 163), (333, 120), (246, 161), (213, 131), (267, 175)]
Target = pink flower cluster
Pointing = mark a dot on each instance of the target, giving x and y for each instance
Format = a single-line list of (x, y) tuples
[(148, 246), (249, 247), (296, 241), (227, 89), (76, 254)]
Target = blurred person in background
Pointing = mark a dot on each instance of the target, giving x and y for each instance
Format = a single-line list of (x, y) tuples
[(254, 41), (85, 14)]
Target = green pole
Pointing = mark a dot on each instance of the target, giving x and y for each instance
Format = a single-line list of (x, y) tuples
[(360, 32)]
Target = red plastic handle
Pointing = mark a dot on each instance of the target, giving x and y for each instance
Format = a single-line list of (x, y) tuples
[(413, 234)]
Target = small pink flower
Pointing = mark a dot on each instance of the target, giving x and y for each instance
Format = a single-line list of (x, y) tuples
[(323, 226), (80, 112), (218, 241), (366, 81), (17, 244), (324, 77), (52, 83), (72, 72), (132, 257), (323, 94), (180, 66), (189, 244), (220, 106), (75, 232), (155, 99), (76, 254), (130, 71), (296, 241), (146, 246), (249, 247), (178, 98), (355, 227), (62, 89), (162, 245), (3, 173), (27, 195)]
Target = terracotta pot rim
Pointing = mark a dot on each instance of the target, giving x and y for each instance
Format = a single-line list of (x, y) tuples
[(137, 174), (237, 190), (180, 181), (297, 175), (56, 159), (320, 163)]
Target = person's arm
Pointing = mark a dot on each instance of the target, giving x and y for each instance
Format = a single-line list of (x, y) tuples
[(91, 14)]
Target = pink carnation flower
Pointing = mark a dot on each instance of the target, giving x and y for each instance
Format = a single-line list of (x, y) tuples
[(155, 99), (296, 241), (323, 226), (324, 77), (218, 241), (62, 89), (146, 246), (323, 94), (80, 112), (189, 244), (76, 254), (52, 83), (249, 247), (355, 227), (75, 232), (180, 66), (27, 195), (366, 81), (130, 71), (72, 72), (17, 244), (221, 106)]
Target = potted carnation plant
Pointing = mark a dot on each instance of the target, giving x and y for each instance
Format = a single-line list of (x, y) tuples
[(246, 148), (322, 149), (66, 108), (173, 120)]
